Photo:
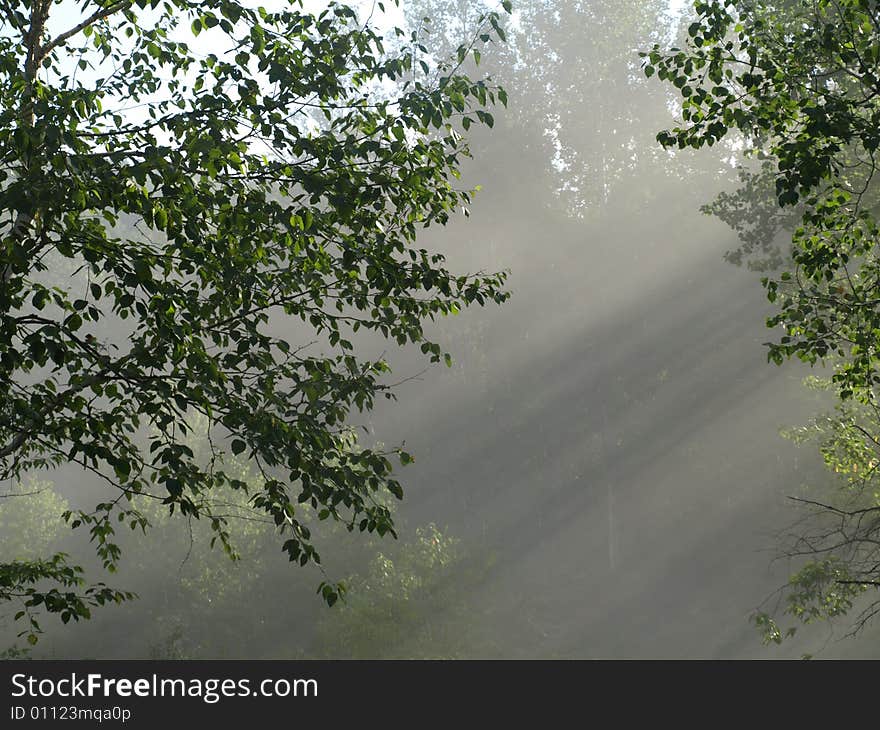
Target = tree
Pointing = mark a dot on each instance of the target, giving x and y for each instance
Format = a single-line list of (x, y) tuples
[(231, 210), (29, 528), (568, 109), (797, 82), (199, 604), (410, 604)]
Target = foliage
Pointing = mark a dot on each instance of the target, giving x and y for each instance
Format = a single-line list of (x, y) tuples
[(232, 218), (822, 589), (30, 523), (15, 653), (578, 105), (837, 539), (409, 600), (405, 605), (797, 83), (30, 519), (754, 213)]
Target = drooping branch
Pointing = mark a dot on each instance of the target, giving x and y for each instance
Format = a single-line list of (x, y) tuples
[(204, 242)]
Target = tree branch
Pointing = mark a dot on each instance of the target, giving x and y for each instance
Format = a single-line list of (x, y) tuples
[(93, 18)]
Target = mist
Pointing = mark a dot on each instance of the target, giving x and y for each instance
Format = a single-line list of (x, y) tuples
[(600, 473)]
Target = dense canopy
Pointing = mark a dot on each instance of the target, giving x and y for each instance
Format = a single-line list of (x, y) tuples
[(233, 192)]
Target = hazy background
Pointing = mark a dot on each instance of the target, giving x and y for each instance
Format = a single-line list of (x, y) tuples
[(604, 456)]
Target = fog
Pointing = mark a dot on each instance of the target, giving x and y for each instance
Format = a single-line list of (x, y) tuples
[(605, 450)]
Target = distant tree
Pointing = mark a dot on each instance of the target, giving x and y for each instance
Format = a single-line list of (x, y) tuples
[(580, 102), (411, 603), (763, 227), (30, 528), (797, 81), (409, 599), (230, 210)]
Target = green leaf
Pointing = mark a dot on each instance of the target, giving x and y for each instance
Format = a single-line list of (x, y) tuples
[(238, 446), (202, 265)]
